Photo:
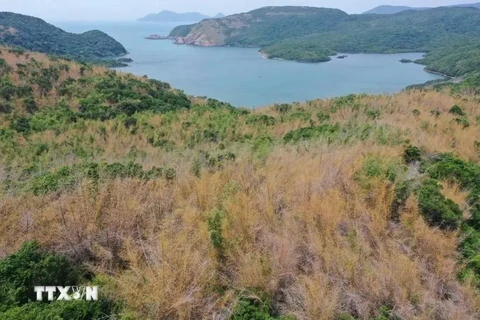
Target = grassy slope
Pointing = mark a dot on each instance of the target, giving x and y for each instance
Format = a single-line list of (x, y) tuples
[(249, 209)]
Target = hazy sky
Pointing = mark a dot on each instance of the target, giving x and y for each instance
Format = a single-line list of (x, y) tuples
[(63, 10)]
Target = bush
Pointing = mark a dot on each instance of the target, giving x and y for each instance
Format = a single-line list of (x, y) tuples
[(21, 125), (282, 108), (325, 130), (435, 208), (456, 110), (260, 119), (254, 309), (31, 266), (412, 154)]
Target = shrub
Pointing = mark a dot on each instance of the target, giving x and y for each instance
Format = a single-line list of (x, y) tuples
[(322, 116), (463, 122), (21, 125), (260, 119), (435, 208), (31, 266), (282, 108), (457, 110), (373, 114), (412, 154), (28, 267), (325, 130)]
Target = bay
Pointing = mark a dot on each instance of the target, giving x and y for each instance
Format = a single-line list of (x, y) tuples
[(244, 78)]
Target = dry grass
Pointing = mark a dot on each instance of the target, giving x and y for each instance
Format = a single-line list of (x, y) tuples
[(297, 225)]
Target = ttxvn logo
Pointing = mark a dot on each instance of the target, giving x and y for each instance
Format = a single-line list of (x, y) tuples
[(66, 293)]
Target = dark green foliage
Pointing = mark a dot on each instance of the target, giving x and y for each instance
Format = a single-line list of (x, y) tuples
[(28, 267), (282, 108), (435, 208), (457, 110), (68, 176), (21, 125), (36, 35), (111, 96), (463, 122), (447, 167), (31, 266), (253, 308), (373, 114), (130, 122), (260, 119), (215, 222), (325, 130), (53, 181), (322, 116), (403, 190), (412, 154), (61, 310), (30, 104)]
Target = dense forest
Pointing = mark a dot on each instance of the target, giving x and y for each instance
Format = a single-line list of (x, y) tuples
[(314, 34), (34, 34), (177, 207)]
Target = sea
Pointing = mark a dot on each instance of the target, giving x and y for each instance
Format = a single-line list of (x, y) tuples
[(242, 77)]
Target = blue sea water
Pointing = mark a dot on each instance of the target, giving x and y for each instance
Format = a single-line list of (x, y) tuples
[(244, 78)]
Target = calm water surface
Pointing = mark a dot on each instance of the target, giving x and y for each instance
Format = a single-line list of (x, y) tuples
[(242, 77)]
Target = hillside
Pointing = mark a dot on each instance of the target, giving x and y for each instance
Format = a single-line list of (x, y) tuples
[(314, 34), (35, 34), (170, 16), (386, 9), (358, 207)]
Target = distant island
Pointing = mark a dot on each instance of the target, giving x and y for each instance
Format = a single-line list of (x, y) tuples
[(156, 37), (387, 9), (170, 16)]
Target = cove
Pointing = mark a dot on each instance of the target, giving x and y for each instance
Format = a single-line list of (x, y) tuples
[(244, 78)]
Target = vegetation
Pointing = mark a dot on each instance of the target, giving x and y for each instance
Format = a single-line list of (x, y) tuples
[(449, 35), (34, 34), (358, 207), (31, 266)]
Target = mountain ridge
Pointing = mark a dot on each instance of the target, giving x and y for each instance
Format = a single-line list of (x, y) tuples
[(171, 16), (389, 9)]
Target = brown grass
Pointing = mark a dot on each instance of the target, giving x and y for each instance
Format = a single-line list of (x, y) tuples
[(297, 225)]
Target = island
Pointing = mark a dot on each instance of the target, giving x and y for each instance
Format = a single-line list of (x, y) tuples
[(309, 34), (406, 61), (157, 37)]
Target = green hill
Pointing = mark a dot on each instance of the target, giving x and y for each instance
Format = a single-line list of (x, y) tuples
[(313, 34), (37, 35), (386, 9)]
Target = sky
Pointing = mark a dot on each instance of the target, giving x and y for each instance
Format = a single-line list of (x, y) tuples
[(107, 10)]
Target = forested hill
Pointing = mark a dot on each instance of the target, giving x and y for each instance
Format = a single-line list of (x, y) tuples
[(386, 9), (312, 34), (37, 35)]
